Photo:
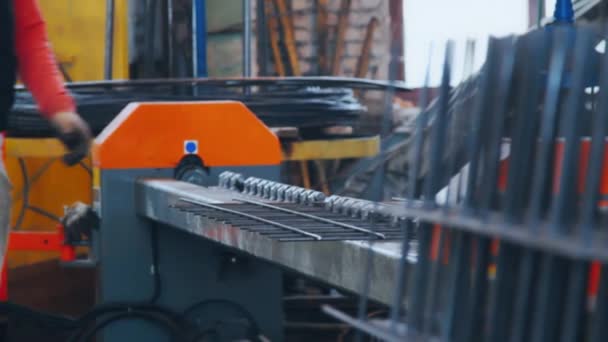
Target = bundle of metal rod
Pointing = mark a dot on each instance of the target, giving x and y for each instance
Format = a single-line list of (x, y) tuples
[(280, 105), (521, 256)]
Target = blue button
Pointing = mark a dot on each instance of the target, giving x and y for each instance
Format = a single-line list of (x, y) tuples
[(190, 147)]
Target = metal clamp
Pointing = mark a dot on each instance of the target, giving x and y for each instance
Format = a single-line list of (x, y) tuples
[(281, 189), (260, 187)]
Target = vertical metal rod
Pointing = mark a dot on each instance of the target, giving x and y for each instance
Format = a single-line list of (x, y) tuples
[(468, 70), (440, 128), (170, 39), (395, 310), (575, 301), (433, 293), (416, 314), (501, 305), (493, 145), (150, 23), (599, 325), (415, 154), (480, 108), (417, 295), (474, 316), (567, 194), (524, 291), (455, 131), (596, 159), (262, 45), (548, 125), (523, 139), (247, 38), (109, 53), (524, 294), (457, 284), (385, 128), (194, 42), (549, 299)]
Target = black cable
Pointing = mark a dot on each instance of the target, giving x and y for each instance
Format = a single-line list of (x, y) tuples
[(173, 329), (44, 213), (51, 320), (254, 331), (86, 168)]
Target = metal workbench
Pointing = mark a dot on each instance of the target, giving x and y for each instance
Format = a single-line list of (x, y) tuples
[(333, 262)]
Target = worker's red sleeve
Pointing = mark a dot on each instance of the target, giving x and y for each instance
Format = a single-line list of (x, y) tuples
[(36, 64)]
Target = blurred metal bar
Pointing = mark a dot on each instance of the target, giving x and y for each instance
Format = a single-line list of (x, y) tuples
[(109, 47), (170, 40), (247, 38)]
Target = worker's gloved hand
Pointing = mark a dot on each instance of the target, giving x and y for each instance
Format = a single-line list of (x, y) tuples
[(74, 133)]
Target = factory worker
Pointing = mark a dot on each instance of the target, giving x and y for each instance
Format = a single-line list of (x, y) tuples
[(25, 54)]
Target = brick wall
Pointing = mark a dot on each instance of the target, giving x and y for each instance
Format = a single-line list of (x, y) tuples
[(304, 16)]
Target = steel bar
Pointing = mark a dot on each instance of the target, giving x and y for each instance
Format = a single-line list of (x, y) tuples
[(253, 217), (170, 40), (547, 304), (524, 292), (458, 282), (399, 290), (553, 274), (247, 38), (474, 315), (262, 44), (595, 169), (109, 48), (599, 324), (567, 193), (493, 145), (312, 217), (321, 81), (433, 295), (480, 106), (365, 288), (378, 195), (415, 160), (494, 226), (523, 136), (418, 295), (456, 130), (540, 181), (575, 306), (501, 306), (441, 125)]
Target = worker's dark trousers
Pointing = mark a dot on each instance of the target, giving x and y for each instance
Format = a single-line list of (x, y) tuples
[(5, 206)]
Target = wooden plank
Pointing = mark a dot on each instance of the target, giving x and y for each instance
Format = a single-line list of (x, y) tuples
[(288, 35), (341, 36), (322, 36)]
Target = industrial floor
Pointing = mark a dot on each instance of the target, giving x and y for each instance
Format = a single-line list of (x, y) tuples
[(48, 287)]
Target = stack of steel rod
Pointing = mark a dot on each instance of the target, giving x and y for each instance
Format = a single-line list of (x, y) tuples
[(517, 252), (304, 102)]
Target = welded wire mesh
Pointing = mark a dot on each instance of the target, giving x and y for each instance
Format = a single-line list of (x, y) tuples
[(507, 198)]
